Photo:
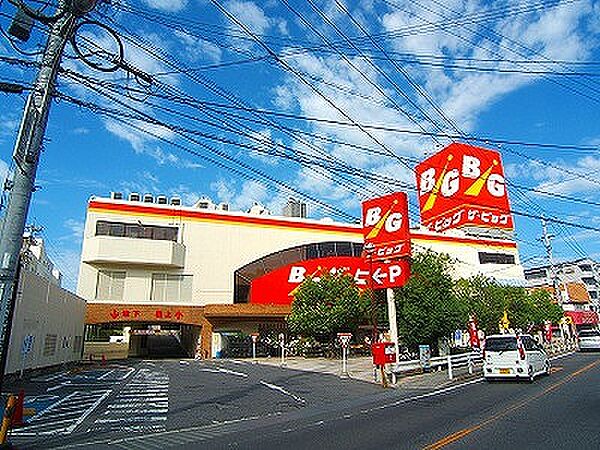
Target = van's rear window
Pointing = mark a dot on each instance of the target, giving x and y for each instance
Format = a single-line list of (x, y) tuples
[(501, 344)]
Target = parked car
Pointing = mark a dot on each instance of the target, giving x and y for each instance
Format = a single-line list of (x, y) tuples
[(588, 340), (514, 356)]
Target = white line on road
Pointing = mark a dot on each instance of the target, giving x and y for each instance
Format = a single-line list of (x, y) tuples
[(52, 406), (226, 371), (88, 412), (283, 391)]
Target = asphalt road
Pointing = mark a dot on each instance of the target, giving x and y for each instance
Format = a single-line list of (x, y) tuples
[(559, 411), (188, 405)]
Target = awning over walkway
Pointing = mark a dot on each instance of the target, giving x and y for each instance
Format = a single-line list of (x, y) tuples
[(583, 317)]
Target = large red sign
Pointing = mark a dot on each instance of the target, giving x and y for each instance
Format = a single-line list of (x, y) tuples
[(279, 286), (463, 185), (385, 227)]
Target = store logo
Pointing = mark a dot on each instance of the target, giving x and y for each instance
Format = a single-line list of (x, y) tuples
[(390, 221), (448, 182)]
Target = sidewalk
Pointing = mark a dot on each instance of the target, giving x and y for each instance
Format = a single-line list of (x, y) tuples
[(361, 368)]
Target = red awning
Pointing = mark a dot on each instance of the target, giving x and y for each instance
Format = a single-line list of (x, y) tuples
[(583, 317)]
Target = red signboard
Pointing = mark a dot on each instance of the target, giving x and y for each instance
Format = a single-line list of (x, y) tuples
[(279, 286), (463, 185), (386, 227), (137, 315)]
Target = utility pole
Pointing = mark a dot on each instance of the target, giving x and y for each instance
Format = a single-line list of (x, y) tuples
[(27, 152), (547, 241)]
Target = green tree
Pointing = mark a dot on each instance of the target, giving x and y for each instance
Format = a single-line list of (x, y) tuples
[(487, 300), (328, 305), (427, 307)]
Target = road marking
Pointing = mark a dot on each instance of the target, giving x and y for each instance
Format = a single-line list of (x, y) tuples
[(462, 433), (225, 371), (52, 406), (141, 406), (62, 417), (283, 391)]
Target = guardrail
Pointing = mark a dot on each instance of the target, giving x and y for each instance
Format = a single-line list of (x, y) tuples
[(450, 363), (470, 360)]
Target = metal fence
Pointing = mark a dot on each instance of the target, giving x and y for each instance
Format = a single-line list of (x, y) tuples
[(468, 362), (451, 363)]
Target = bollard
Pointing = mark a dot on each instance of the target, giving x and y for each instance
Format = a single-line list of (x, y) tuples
[(7, 419), (450, 374), (103, 359), (17, 420)]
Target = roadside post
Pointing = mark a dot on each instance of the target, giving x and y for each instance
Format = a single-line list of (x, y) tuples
[(282, 345), (344, 340), (254, 337)]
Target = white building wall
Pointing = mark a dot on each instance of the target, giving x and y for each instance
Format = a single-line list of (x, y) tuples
[(215, 249), (42, 309)]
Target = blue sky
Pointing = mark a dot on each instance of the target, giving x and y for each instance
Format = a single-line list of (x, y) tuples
[(525, 72)]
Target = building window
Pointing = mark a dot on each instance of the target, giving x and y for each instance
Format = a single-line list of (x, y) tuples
[(585, 268), (496, 258), (535, 273), (171, 288), (136, 231), (110, 285), (50, 345), (589, 281), (593, 294)]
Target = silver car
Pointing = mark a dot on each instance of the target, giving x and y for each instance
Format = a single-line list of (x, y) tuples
[(589, 340)]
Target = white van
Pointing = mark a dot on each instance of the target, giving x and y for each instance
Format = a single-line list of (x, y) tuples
[(514, 356)]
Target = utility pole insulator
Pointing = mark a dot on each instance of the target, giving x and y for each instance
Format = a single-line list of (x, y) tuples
[(11, 88), (21, 26)]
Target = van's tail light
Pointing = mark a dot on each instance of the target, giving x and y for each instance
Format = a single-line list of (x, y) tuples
[(521, 349)]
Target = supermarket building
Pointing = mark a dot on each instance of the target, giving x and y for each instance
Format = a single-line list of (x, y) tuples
[(150, 265)]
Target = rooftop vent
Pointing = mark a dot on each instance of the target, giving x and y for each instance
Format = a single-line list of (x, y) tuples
[(134, 197), (148, 198), (116, 195), (175, 201), (161, 199), (224, 206)]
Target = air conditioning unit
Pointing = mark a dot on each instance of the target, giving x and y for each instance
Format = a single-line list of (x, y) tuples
[(116, 196), (161, 199), (134, 197), (175, 201), (224, 206), (148, 198), (202, 204)]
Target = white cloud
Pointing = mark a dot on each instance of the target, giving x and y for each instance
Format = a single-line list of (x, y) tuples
[(197, 49), (76, 228), (554, 32), (249, 14), (224, 189), (266, 147), (559, 177), (167, 5)]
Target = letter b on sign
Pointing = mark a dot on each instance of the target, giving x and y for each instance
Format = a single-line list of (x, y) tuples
[(372, 216)]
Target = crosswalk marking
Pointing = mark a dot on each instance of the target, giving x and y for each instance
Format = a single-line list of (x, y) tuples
[(140, 407)]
